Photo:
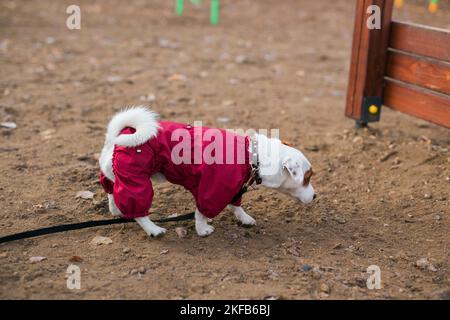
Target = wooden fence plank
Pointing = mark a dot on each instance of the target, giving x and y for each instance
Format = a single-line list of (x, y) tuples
[(420, 103), (421, 40), (426, 73)]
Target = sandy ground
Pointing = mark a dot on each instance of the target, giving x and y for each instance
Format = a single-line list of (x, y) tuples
[(383, 193)]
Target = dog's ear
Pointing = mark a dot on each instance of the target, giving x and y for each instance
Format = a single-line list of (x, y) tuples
[(286, 143), (294, 168)]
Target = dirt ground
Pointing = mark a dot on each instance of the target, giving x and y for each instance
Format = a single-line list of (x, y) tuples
[(383, 193)]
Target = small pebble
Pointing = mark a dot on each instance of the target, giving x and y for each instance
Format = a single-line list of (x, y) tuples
[(167, 44), (76, 259), (181, 232), (8, 125), (324, 288), (317, 274), (357, 140), (148, 98), (340, 220), (241, 59), (114, 79), (86, 195), (306, 267), (177, 77), (300, 73), (313, 148), (228, 103), (134, 272), (142, 270), (271, 298), (50, 40), (37, 259), (100, 240), (223, 120), (323, 295), (425, 264), (234, 81)]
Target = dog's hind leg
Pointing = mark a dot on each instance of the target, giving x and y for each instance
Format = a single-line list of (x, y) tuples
[(201, 225), (113, 208), (149, 227), (242, 216)]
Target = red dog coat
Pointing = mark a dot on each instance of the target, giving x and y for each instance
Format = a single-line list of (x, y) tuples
[(212, 185)]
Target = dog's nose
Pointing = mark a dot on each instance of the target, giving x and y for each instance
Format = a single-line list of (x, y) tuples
[(315, 196)]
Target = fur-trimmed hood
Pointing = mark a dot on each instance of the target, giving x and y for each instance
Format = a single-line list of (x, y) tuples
[(143, 120), (140, 118)]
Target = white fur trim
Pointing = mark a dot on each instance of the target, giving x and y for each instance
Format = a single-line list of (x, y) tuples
[(106, 161), (143, 120)]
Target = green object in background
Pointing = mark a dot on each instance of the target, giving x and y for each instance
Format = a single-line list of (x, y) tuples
[(215, 9), (179, 7), (433, 6)]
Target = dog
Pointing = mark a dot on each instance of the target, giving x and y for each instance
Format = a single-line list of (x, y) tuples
[(139, 150)]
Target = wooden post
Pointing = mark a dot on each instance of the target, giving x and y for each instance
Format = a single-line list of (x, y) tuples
[(368, 65)]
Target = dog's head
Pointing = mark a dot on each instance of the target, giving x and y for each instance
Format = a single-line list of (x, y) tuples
[(293, 174), (297, 173)]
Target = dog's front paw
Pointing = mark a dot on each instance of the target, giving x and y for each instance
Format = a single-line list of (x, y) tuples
[(203, 229), (149, 227), (247, 220), (243, 217), (157, 231)]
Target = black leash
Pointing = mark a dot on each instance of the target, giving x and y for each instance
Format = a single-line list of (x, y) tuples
[(254, 178), (84, 225), (99, 223)]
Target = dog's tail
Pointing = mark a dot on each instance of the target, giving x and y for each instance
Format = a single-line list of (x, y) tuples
[(142, 119)]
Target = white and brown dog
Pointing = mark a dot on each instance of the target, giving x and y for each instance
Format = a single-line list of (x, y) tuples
[(139, 149)]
